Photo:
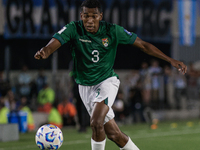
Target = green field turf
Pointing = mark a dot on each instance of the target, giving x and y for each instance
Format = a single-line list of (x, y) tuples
[(181, 135)]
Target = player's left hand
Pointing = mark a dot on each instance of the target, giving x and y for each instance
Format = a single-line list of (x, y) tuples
[(179, 65)]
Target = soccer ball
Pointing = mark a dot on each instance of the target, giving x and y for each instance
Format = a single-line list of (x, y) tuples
[(49, 137)]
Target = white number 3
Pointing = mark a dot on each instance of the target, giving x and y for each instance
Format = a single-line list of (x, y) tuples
[(95, 54)]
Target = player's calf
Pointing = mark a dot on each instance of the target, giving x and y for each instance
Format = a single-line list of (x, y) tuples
[(98, 133)]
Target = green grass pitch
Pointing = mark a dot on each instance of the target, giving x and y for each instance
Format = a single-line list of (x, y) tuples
[(181, 135)]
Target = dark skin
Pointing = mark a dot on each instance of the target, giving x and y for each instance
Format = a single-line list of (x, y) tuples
[(91, 18)]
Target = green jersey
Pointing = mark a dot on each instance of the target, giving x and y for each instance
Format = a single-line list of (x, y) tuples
[(93, 54)]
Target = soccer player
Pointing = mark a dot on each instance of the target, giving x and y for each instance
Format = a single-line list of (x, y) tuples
[(93, 47)]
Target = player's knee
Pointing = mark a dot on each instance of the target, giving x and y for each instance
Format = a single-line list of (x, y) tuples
[(96, 124), (116, 136)]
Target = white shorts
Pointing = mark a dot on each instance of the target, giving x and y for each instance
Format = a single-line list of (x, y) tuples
[(106, 90)]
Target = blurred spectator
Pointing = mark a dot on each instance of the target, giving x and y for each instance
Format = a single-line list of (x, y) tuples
[(24, 80), (3, 112), (180, 85), (143, 70), (36, 85), (11, 101), (45, 99), (4, 84), (136, 103), (192, 90), (23, 107), (130, 82), (118, 107), (126, 87), (168, 87), (133, 78), (41, 80), (146, 83), (155, 71), (54, 117), (68, 112)]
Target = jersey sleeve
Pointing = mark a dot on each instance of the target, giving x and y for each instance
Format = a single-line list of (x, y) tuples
[(66, 33), (124, 36)]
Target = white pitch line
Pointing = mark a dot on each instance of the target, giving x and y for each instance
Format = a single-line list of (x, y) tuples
[(148, 135)]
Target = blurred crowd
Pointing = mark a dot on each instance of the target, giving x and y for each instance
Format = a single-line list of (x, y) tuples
[(35, 95), (151, 87)]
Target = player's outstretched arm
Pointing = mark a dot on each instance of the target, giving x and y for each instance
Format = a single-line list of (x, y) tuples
[(44, 52), (153, 51)]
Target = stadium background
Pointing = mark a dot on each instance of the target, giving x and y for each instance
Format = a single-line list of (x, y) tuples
[(26, 26), (154, 21)]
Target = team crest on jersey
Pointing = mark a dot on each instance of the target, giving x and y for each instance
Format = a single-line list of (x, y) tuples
[(105, 42)]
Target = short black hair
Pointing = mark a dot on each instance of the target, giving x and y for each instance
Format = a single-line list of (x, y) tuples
[(91, 4)]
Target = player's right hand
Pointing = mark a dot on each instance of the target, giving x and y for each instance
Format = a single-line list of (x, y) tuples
[(41, 54), (179, 65)]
